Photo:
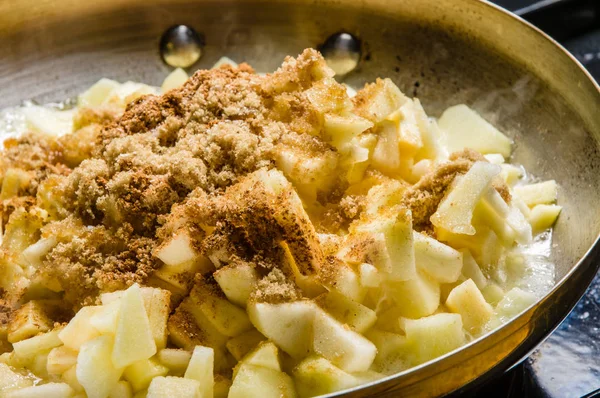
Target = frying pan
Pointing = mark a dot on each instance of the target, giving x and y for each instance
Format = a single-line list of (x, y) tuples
[(443, 51)]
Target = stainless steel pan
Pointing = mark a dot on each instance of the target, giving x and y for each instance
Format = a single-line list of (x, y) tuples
[(443, 51)]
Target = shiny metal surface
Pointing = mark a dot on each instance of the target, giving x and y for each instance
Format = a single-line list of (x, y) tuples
[(443, 51), (180, 46)]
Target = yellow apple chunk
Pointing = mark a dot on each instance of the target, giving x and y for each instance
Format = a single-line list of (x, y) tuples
[(95, 369), (242, 344), (201, 368), (536, 194), (317, 376), (259, 382), (141, 373), (543, 217), (133, 340), (168, 387), (346, 311), (434, 335), (48, 390), (415, 298), (466, 300), (439, 261), (455, 212), (237, 281)]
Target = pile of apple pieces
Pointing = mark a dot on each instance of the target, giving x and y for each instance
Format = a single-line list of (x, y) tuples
[(401, 300)]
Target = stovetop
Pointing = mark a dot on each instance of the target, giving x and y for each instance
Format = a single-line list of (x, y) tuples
[(567, 364)]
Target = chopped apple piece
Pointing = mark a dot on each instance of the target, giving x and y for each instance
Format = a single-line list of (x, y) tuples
[(28, 321), (309, 284), (10, 380), (48, 121), (340, 130), (237, 281), (242, 344), (493, 293), (455, 212), (265, 355), (201, 369), (34, 253), (79, 329), (514, 302), (466, 300), (536, 194), (415, 298), (393, 252), (27, 349), (495, 158), (259, 382), (48, 390), (70, 377), (465, 128), (177, 250), (369, 275), (167, 387), (340, 345), (157, 303), (338, 276), (378, 100), (224, 61), (317, 376), (543, 217), (105, 319), (227, 318), (289, 325), (175, 79), (511, 173), (189, 327), (439, 261), (133, 340), (392, 351), (141, 373), (471, 270), (121, 390), (434, 335), (346, 311), (175, 359), (97, 94), (504, 216), (60, 359), (95, 369)]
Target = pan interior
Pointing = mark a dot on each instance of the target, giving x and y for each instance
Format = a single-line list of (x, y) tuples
[(428, 52)]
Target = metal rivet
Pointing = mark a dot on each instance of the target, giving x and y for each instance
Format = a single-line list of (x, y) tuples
[(342, 52), (181, 46)]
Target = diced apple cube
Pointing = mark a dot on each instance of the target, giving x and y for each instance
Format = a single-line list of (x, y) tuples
[(466, 300), (396, 226), (105, 319), (266, 354), (10, 380), (237, 281), (29, 348), (242, 344), (289, 325), (175, 79), (28, 321), (61, 359), (346, 311), (465, 128), (493, 293), (511, 173), (369, 275), (201, 369), (79, 329), (536, 194), (439, 261), (471, 270), (227, 318), (338, 276), (175, 359), (157, 303), (378, 100), (455, 212), (98, 93), (495, 158), (317, 376), (340, 130), (260, 382), (189, 327), (70, 377), (121, 390), (392, 351), (177, 250), (340, 345), (133, 340), (543, 217), (95, 369), (167, 387), (309, 284), (34, 253), (141, 373), (48, 390), (48, 121), (514, 302), (434, 335), (415, 298)]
